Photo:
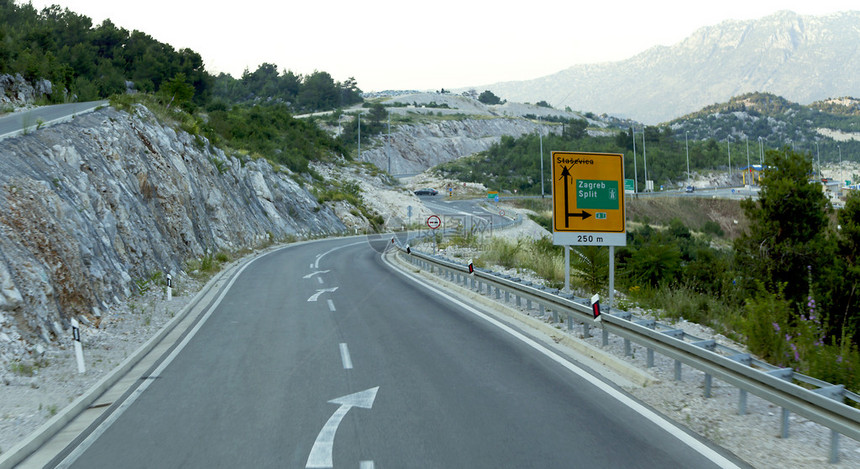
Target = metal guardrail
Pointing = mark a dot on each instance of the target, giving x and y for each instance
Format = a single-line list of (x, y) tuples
[(822, 402)]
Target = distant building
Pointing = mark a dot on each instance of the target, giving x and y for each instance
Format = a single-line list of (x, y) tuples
[(752, 174)]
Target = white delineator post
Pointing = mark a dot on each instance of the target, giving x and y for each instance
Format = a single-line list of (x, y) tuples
[(79, 351), (169, 287)]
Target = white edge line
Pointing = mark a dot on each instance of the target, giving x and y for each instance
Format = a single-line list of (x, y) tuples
[(649, 414), (92, 437), (344, 357)]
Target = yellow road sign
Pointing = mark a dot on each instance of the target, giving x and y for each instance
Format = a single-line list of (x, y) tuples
[(588, 199)]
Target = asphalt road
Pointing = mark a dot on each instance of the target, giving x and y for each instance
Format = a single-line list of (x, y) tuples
[(321, 355), (17, 122)]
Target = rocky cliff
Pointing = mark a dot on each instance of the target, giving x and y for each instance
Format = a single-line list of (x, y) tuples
[(416, 147), (90, 206)]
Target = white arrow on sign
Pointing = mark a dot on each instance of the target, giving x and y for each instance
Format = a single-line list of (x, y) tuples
[(320, 456), (320, 291), (317, 272)]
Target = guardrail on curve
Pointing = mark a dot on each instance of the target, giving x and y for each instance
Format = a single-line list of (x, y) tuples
[(823, 403)]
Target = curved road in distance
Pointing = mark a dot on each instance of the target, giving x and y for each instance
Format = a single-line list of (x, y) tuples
[(19, 122), (322, 355)]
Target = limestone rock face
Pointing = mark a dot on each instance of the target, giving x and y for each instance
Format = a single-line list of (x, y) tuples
[(417, 147), (89, 206)]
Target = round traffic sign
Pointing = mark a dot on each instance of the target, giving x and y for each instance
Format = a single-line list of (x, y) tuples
[(433, 221)]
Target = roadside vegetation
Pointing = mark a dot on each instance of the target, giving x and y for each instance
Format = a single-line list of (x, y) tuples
[(514, 164), (785, 285)]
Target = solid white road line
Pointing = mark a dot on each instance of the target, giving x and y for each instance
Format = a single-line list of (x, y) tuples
[(365, 465), (80, 449), (649, 414), (316, 265), (344, 357)]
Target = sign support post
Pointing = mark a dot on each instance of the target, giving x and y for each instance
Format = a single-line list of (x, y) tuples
[(611, 277), (566, 268), (434, 222), (588, 205)]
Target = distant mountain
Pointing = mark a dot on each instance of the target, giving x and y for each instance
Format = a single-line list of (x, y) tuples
[(802, 58), (829, 128)]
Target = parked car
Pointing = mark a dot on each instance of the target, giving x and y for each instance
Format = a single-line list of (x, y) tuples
[(690, 188), (426, 191)]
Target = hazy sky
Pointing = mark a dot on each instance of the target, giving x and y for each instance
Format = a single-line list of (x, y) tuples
[(386, 44)]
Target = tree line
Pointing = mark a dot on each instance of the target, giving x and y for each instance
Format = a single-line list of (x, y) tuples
[(515, 163), (85, 62)]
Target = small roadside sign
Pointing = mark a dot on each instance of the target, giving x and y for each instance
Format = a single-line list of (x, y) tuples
[(492, 195), (629, 187), (433, 221)]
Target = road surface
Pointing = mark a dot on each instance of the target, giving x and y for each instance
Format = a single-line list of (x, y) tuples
[(322, 355)]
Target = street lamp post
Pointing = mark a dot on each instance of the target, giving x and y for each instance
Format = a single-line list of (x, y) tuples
[(761, 153), (749, 169), (635, 171), (818, 151), (540, 137), (729, 146), (388, 150), (841, 176), (687, 146), (645, 157)]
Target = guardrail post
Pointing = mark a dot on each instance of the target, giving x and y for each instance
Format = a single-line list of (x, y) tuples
[(627, 316), (540, 309), (745, 359), (707, 345), (586, 329), (785, 374), (498, 293), (678, 334), (507, 296), (554, 316), (519, 303), (605, 337), (836, 393), (569, 321), (528, 304), (650, 324)]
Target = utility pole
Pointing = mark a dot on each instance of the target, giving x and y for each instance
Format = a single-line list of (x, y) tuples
[(645, 157), (687, 146), (388, 146), (749, 169), (635, 171), (540, 137)]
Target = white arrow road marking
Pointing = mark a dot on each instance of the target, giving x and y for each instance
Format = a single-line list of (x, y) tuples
[(320, 280), (320, 456), (331, 306), (317, 272), (320, 291)]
